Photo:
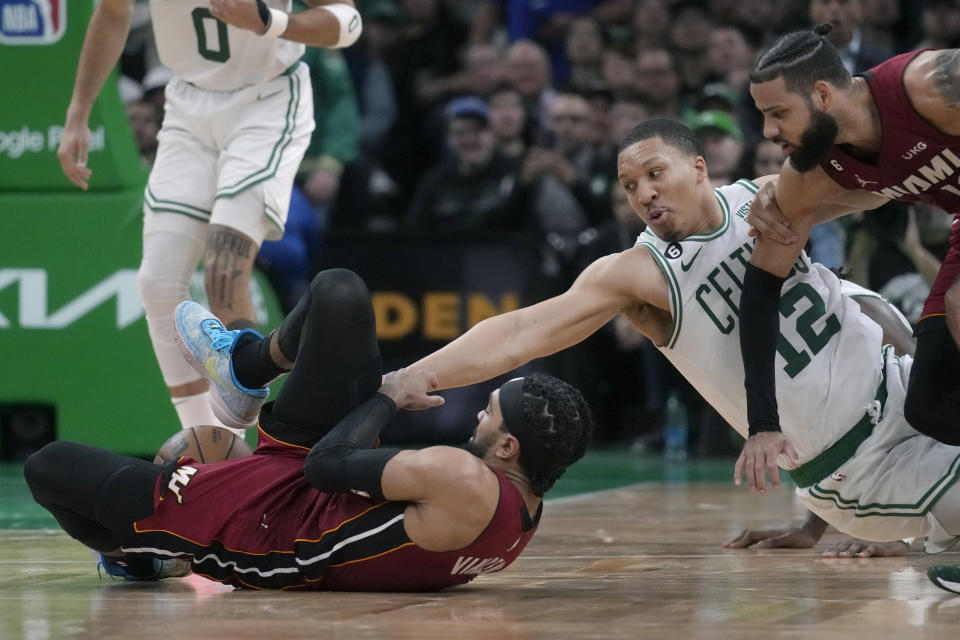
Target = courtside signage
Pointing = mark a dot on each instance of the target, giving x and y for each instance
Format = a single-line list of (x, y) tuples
[(32, 22), (33, 310)]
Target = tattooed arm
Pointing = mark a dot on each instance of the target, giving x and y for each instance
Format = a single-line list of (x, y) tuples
[(932, 81), (227, 265)]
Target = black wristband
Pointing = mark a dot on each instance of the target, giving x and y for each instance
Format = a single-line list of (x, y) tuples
[(759, 331), (265, 15)]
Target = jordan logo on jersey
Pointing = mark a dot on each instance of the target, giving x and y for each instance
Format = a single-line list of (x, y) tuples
[(475, 566)]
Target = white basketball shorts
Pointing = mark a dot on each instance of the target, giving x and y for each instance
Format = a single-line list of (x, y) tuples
[(217, 145)]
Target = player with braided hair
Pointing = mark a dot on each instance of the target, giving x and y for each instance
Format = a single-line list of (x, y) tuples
[(548, 423), (318, 505), (888, 134)]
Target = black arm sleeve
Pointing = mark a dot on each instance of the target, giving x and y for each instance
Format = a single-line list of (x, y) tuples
[(343, 461), (759, 330)]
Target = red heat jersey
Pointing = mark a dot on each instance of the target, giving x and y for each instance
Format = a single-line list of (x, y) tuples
[(256, 522), (915, 162)]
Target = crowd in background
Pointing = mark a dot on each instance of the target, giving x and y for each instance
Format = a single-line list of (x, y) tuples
[(455, 117)]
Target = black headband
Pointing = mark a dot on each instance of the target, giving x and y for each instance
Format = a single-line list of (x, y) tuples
[(534, 453)]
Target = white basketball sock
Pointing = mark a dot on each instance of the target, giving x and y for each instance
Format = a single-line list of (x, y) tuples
[(195, 410)]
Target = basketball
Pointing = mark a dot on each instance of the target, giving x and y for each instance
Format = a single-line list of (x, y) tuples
[(204, 444)]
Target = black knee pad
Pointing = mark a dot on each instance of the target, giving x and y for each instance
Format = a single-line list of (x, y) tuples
[(340, 287)]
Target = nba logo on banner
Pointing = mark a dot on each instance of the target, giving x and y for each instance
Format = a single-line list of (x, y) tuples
[(37, 22)]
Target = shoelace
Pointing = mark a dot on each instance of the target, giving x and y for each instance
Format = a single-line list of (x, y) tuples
[(223, 340)]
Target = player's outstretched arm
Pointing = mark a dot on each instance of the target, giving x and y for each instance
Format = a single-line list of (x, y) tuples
[(504, 342), (102, 46)]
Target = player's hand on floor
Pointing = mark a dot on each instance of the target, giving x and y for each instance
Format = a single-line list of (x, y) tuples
[(801, 535), (409, 389), (855, 548), (793, 537), (759, 457)]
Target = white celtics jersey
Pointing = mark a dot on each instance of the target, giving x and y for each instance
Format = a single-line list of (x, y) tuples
[(210, 54), (828, 359)]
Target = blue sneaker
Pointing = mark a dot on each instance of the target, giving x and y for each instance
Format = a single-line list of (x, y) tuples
[(207, 346), (945, 576), (141, 567)]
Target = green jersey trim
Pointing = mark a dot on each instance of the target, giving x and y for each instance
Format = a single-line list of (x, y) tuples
[(719, 231), (172, 206), (831, 459), (701, 237), (919, 508), (274, 216), (674, 287)]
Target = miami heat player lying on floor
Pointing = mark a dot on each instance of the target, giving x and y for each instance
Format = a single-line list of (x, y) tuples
[(315, 506)]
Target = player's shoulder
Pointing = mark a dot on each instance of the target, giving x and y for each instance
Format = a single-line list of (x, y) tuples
[(442, 461), (925, 64), (455, 474), (614, 271), (605, 266), (932, 80)]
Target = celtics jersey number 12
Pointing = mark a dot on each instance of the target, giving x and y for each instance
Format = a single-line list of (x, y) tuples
[(828, 362)]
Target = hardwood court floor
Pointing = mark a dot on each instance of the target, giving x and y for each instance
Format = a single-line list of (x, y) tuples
[(639, 562)]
